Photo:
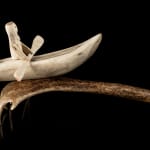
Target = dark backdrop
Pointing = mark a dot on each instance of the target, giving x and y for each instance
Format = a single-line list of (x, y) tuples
[(122, 57)]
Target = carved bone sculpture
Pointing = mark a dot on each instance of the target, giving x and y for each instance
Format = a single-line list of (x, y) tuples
[(24, 65)]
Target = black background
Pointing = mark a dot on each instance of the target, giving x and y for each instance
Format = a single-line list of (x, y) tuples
[(122, 57)]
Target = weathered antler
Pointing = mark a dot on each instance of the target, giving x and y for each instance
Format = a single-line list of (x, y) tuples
[(16, 92)]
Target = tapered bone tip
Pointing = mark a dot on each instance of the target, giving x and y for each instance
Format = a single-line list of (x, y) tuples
[(98, 36), (96, 39)]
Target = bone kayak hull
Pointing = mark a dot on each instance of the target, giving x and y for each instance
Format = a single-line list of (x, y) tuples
[(51, 64)]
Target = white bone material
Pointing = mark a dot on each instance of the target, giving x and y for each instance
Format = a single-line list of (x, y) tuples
[(46, 65)]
